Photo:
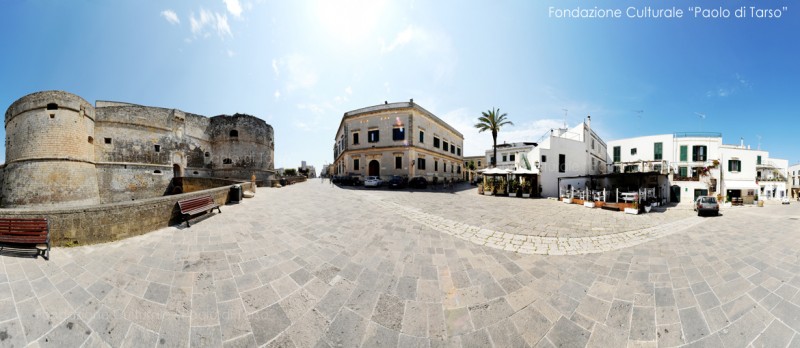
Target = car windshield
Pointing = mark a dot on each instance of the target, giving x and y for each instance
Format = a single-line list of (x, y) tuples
[(708, 200)]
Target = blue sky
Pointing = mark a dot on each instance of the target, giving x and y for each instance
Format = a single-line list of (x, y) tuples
[(300, 65)]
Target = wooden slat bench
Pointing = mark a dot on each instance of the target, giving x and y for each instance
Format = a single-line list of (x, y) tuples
[(197, 205), (34, 232)]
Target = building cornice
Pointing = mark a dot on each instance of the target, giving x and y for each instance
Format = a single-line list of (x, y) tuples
[(401, 106)]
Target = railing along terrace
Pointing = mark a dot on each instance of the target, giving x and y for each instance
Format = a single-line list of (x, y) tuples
[(698, 135)]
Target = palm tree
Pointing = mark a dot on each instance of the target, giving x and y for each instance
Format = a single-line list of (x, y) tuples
[(492, 120)]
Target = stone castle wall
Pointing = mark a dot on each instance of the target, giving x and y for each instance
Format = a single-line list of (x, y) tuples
[(49, 151), (76, 154), (109, 222)]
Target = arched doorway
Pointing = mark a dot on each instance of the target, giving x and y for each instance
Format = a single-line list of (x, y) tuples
[(177, 172), (374, 168)]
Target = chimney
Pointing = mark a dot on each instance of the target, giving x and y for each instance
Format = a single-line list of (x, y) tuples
[(742, 142), (589, 121), (411, 101), (385, 102)]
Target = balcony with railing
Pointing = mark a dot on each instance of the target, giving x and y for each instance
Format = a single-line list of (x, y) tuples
[(660, 167)]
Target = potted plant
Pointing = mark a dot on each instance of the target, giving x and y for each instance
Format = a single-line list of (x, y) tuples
[(588, 203), (513, 188), (489, 189), (501, 187), (480, 189), (635, 209), (526, 189)]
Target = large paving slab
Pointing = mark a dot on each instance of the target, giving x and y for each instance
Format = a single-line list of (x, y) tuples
[(316, 265)]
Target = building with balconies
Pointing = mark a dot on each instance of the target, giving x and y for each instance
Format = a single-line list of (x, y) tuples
[(699, 164), (400, 139), (511, 155)]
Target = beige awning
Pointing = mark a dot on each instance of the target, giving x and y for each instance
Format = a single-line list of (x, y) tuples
[(740, 185)]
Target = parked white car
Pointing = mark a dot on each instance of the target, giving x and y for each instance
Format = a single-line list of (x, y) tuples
[(785, 200), (373, 181)]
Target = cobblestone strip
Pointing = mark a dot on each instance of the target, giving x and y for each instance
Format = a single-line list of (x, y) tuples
[(526, 244)]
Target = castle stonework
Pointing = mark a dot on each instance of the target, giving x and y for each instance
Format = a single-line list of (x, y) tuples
[(60, 150)]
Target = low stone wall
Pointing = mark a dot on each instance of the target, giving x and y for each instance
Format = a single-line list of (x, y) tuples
[(193, 184), (114, 221)]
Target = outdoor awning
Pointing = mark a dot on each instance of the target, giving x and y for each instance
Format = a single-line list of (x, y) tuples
[(523, 171), (497, 171), (740, 185)]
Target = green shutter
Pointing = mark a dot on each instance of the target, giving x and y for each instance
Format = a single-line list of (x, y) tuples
[(758, 160), (617, 153), (684, 153), (682, 171), (657, 151)]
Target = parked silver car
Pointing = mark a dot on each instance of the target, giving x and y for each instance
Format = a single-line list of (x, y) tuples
[(373, 181), (706, 204)]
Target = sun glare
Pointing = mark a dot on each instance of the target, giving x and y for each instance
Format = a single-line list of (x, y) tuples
[(350, 21)]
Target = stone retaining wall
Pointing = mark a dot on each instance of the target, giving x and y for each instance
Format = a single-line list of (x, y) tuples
[(108, 222)]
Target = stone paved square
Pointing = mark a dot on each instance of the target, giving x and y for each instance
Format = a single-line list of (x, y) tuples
[(317, 265)]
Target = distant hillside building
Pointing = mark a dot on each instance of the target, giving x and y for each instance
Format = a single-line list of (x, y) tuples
[(479, 162), (62, 150), (397, 139)]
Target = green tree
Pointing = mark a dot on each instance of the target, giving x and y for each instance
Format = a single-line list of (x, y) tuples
[(471, 165), (492, 120), (303, 172), (290, 172)]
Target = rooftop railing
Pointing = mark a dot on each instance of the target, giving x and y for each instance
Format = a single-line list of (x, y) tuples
[(698, 135)]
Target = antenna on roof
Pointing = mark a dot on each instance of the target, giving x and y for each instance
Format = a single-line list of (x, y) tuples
[(638, 113), (702, 117), (759, 142), (565, 117)]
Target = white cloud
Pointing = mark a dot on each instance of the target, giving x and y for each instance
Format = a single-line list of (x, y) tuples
[(403, 38), (314, 108), (234, 7), (277, 94), (726, 89), (300, 72), (231, 53), (275, 67), (430, 46), (171, 16), (348, 90), (214, 22), (222, 26), (310, 119)]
